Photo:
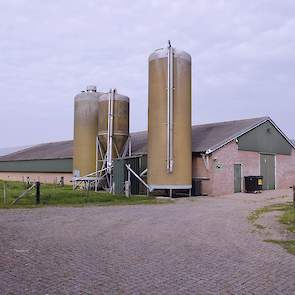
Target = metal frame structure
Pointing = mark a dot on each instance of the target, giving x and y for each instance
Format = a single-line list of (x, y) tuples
[(104, 173)]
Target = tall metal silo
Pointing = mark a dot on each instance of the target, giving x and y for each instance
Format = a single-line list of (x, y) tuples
[(85, 131), (169, 120), (113, 124)]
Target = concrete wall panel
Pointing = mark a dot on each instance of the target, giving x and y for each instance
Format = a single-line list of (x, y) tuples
[(43, 177)]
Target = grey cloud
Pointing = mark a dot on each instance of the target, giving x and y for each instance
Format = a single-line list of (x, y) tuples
[(243, 59)]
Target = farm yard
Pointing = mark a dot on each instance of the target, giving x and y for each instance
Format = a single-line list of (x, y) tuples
[(206, 245)]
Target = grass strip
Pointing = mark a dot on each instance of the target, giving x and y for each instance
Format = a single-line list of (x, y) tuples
[(288, 218), (66, 196), (256, 214), (289, 245)]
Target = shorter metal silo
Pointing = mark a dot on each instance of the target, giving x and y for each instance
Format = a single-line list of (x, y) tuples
[(113, 124), (85, 131)]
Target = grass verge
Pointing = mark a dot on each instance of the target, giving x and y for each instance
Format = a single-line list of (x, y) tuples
[(255, 215), (65, 196), (288, 245), (287, 218)]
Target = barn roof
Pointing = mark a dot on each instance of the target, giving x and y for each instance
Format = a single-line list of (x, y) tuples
[(210, 137), (205, 138), (10, 150), (44, 151)]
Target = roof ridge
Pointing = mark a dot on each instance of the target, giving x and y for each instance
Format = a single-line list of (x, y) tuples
[(60, 141), (231, 121), (216, 123)]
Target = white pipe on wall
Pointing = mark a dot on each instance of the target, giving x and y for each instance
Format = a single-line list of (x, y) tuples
[(170, 89)]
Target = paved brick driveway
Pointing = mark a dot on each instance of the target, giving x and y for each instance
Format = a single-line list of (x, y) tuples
[(191, 247)]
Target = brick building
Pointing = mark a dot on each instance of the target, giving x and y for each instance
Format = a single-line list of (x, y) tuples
[(242, 148), (223, 153)]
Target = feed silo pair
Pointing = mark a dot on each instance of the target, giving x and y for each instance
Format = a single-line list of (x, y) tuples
[(169, 120), (101, 129)]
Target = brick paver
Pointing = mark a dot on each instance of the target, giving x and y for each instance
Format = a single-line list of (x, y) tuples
[(191, 247)]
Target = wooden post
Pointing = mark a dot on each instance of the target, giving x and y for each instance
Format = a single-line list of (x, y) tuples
[(127, 188), (28, 182), (62, 181), (4, 193), (294, 196), (38, 192)]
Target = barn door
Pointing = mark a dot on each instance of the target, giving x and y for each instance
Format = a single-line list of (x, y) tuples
[(237, 178), (267, 170)]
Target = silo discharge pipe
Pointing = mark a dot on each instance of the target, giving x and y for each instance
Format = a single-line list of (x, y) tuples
[(170, 90), (138, 177), (110, 129)]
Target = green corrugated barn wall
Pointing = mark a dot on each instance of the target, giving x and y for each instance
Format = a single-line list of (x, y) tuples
[(264, 139), (52, 165)]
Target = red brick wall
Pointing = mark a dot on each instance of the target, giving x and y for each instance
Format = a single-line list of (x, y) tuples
[(285, 170), (227, 156), (222, 179)]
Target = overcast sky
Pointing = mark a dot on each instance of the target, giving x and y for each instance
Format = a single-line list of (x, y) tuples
[(243, 55)]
